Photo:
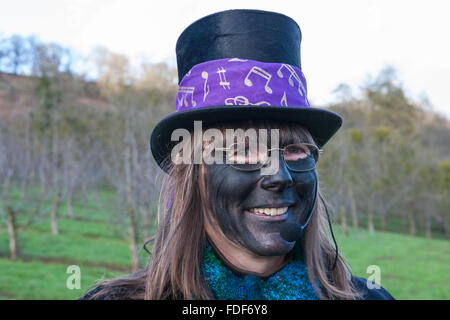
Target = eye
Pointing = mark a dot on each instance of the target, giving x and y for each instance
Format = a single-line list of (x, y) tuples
[(296, 152), (243, 153)]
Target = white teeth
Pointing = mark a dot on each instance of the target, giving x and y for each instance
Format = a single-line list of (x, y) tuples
[(270, 211)]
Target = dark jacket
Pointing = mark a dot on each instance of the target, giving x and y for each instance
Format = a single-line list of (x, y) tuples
[(370, 294)]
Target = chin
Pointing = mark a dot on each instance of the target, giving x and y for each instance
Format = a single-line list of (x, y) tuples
[(271, 245)]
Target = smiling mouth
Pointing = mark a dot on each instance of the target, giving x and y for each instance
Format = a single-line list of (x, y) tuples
[(271, 212)]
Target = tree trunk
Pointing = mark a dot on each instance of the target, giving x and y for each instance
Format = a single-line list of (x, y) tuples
[(428, 224), (133, 232), (353, 208), (12, 231), (343, 221), (412, 224), (83, 193), (69, 204), (383, 222), (54, 213), (43, 179), (27, 151), (428, 229), (146, 218), (133, 240), (403, 223), (370, 224), (95, 195)]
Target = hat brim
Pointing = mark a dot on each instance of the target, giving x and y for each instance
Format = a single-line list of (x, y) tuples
[(322, 124)]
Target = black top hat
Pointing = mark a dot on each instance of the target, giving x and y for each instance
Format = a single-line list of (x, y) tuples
[(216, 53)]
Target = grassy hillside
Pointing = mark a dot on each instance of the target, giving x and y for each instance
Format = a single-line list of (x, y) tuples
[(411, 268)]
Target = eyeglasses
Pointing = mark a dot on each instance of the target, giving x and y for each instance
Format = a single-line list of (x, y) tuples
[(297, 157)]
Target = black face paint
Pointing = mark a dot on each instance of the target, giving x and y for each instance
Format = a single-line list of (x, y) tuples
[(234, 192)]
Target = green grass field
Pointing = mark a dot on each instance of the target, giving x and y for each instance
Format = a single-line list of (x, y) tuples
[(411, 267)]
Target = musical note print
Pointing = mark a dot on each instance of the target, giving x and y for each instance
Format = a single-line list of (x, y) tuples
[(294, 75), (243, 101), (205, 91), (260, 72), (223, 80), (236, 101), (284, 100), (237, 60), (185, 92)]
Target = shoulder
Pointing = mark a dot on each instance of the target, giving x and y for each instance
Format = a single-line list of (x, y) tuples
[(106, 292), (370, 294)]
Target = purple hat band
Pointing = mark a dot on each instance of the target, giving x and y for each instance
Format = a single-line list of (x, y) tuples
[(242, 82)]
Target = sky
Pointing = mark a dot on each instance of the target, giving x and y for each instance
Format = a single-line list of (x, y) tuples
[(343, 41)]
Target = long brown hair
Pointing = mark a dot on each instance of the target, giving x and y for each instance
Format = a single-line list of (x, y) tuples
[(173, 271)]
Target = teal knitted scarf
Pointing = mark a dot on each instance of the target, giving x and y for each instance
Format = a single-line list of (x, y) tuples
[(289, 283)]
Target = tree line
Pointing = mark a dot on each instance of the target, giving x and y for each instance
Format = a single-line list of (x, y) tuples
[(389, 165), (74, 136), (73, 125)]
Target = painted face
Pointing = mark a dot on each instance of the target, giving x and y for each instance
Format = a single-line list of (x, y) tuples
[(243, 200)]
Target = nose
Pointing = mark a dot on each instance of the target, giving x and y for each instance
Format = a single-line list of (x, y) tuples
[(279, 181)]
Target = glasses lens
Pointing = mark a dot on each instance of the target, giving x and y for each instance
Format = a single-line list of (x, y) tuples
[(245, 156), (298, 157), (301, 157)]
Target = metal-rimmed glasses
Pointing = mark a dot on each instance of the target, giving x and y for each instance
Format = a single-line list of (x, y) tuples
[(297, 157)]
